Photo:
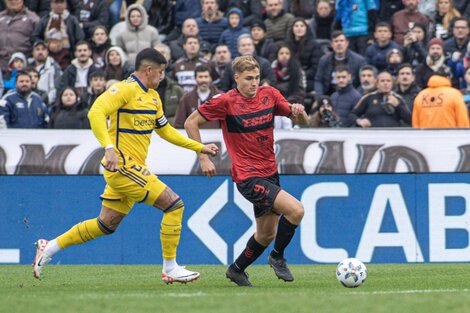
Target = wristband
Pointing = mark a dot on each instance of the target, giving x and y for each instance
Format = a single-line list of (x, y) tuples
[(110, 146)]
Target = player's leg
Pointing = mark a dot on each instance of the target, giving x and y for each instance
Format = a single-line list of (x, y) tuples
[(264, 235), (162, 197), (292, 212), (261, 192), (106, 223)]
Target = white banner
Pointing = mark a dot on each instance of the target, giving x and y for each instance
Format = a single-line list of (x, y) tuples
[(303, 151)]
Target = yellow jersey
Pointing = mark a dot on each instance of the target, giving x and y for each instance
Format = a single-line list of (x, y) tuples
[(134, 111)]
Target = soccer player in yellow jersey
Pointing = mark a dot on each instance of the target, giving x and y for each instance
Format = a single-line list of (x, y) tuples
[(134, 109)]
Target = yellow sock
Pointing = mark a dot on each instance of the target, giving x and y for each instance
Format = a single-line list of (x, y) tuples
[(80, 233), (170, 231)]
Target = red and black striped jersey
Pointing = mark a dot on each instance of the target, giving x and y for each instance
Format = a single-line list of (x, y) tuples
[(247, 126)]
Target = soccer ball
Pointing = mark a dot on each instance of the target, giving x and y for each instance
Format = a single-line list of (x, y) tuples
[(351, 273)]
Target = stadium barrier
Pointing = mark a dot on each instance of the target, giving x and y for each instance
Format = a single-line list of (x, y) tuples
[(381, 218)]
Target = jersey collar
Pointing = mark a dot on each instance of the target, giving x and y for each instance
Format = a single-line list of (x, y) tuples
[(139, 82)]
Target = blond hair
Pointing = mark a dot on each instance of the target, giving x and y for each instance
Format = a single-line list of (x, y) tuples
[(244, 63)]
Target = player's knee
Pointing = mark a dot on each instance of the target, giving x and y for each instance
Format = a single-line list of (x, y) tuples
[(106, 228), (176, 205), (297, 212)]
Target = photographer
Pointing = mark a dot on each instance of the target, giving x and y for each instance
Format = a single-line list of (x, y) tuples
[(322, 114), (381, 108)]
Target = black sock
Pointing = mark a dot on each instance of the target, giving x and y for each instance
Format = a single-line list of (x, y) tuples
[(285, 232), (252, 251)]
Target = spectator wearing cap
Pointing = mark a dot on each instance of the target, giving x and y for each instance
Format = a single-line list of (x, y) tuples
[(48, 69), (61, 30), (403, 20), (183, 71), (434, 62), (376, 54), (264, 46), (205, 51), (278, 21), (440, 105), (211, 22), (138, 34), (16, 25), (235, 29)]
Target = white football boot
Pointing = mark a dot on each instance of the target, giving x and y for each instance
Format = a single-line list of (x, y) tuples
[(179, 275), (41, 258)]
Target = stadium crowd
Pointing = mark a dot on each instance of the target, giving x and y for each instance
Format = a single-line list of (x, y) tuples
[(352, 63)]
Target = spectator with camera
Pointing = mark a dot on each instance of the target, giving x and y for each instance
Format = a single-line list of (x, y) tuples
[(346, 96), (381, 108), (404, 20), (323, 114)]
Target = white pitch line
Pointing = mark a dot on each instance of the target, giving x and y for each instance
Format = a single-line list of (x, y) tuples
[(391, 292)]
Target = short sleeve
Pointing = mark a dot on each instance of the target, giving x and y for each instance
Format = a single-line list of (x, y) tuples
[(215, 108)]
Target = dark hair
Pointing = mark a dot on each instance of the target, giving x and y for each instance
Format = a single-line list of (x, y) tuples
[(369, 67), (342, 68), (294, 71), (23, 73), (402, 66), (150, 55), (97, 73), (383, 24), (337, 33), (458, 18), (82, 42), (201, 69), (185, 39)]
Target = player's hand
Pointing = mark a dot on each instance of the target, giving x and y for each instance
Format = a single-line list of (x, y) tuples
[(210, 149), (364, 123), (112, 160), (207, 167), (297, 109)]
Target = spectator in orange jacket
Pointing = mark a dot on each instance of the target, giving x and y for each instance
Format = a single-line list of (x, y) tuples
[(440, 105)]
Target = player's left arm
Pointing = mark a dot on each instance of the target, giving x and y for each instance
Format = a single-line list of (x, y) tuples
[(298, 116), (170, 134)]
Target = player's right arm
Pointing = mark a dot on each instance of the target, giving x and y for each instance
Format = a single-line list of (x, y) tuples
[(106, 104), (192, 126)]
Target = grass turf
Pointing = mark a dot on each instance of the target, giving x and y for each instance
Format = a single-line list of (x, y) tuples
[(135, 288)]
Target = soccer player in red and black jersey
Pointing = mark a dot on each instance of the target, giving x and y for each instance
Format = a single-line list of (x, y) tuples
[(247, 115)]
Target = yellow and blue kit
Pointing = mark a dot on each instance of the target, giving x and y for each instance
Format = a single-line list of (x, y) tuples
[(134, 112)]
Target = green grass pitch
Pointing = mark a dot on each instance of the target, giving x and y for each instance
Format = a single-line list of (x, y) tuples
[(134, 288)]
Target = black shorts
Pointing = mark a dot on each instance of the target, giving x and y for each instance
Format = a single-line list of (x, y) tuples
[(261, 191)]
